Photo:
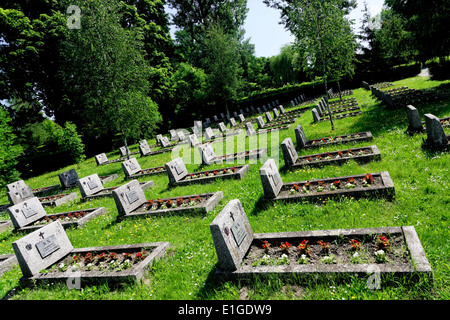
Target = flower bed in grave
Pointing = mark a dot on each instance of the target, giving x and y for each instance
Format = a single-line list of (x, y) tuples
[(57, 199), (354, 137), (99, 264), (250, 154), (377, 185), (236, 172), (282, 127), (243, 254), (337, 157), (190, 204), (107, 192), (148, 172), (279, 123), (68, 219), (339, 116), (291, 111)]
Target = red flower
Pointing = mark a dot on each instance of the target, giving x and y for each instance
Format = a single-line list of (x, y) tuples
[(355, 244)]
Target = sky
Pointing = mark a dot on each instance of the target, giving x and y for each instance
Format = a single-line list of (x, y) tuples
[(263, 28)]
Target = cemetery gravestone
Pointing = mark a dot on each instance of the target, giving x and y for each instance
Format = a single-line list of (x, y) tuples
[(222, 127), (17, 185), (316, 116), (232, 122), (129, 197), (276, 114), (123, 151), (176, 170), (131, 167), (20, 195), (144, 148), (26, 212), (235, 114), (270, 179), (241, 118), (300, 136), (207, 154), (90, 185), (158, 138), (249, 129), (232, 235), (258, 109), (68, 179), (173, 135), (209, 134), (260, 122), (268, 117), (193, 141), (415, 124), (281, 109), (101, 159), (435, 132), (165, 142), (289, 153)]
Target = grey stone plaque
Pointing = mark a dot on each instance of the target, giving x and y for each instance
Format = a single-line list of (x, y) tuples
[(29, 212), (179, 169), (92, 184), (238, 231), (47, 246), (132, 196)]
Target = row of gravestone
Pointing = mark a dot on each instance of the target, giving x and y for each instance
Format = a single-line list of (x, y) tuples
[(434, 127), (320, 111)]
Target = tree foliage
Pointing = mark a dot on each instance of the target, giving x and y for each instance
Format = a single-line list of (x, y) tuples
[(9, 150)]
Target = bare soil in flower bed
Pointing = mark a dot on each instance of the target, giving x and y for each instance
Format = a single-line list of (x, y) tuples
[(57, 199), (236, 172), (68, 219), (148, 172), (339, 250), (337, 157)]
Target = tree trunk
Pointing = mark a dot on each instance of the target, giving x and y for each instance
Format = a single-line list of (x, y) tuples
[(326, 100), (339, 88)]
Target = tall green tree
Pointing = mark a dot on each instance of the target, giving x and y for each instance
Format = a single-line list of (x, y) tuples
[(106, 74), (222, 67), (320, 28), (9, 150)]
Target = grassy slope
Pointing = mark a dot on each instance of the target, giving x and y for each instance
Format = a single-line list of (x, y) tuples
[(187, 272)]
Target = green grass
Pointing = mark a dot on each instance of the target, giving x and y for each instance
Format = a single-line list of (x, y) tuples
[(187, 271)]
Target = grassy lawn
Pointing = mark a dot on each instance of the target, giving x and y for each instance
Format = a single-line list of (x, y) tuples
[(187, 271)]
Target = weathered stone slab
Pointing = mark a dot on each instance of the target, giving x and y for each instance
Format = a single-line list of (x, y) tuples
[(268, 116), (317, 143), (176, 170), (41, 248), (260, 122), (435, 132), (289, 153), (207, 154), (58, 199), (26, 212), (17, 185), (241, 118), (7, 262), (102, 159), (144, 148), (129, 197), (68, 179), (232, 235), (232, 122), (131, 167), (249, 129), (270, 179), (20, 195), (90, 185)]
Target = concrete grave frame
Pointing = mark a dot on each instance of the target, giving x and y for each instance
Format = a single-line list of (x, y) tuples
[(102, 159), (31, 261), (7, 262), (59, 199), (231, 256)]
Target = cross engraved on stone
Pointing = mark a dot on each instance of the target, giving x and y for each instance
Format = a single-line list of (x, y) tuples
[(41, 235), (232, 215)]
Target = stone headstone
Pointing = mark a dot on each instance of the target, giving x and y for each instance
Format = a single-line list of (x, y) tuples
[(198, 124), (215, 118), (101, 159), (289, 153), (165, 142), (300, 137), (158, 138), (20, 195), (181, 136), (207, 121), (173, 135), (222, 127), (281, 109), (252, 108), (435, 132), (144, 148), (258, 110), (193, 141), (415, 124), (176, 170), (270, 179), (123, 151), (232, 235), (209, 134), (292, 103), (241, 111), (318, 109), (241, 118), (68, 179), (316, 116), (26, 212), (247, 110), (260, 122), (232, 122), (207, 153), (264, 108), (131, 167), (276, 114), (90, 185), (42, 248), (268, 117), (129, 197), (249, 129), (18, 185), (222, 115)]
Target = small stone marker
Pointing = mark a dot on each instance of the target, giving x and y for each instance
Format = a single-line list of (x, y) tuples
[(232, 122), (209, 134), (270, 179), (276, 114), (158, 138), (318, 109), (131, 167), (20, 195), (268, 117), (264, 108), (300, 137), (281, 109), (165, 142), (207, 153), (18, 185), (144, 148), (181, 136), (129, 197), (258, 110), (101, 159), (260, 122), (123, 151), (289, 153), (42, 248), (68, 179), (222, 127), (176, 170), (235, 114), (90, 185), (232, 235), (173, 135), (193, 141), (415, 124), (316, 116), (249, 129), (435, 132), (215, 118), (26, 212), (241, 118)]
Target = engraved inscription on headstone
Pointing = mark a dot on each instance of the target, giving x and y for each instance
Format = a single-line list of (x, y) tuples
[(238, 231), (178, 169), (47, 246), (92, 184), (132, 196), (133, 165), (29, 212)]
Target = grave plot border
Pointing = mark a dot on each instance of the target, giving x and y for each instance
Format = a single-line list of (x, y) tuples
[(90, 277), (260, 153), (91, 213), (111, 161), (373, 156), (201, 209), (277, 123), (386, 190), (339, 116), (5, 224), (298, 111), (159, 151), (239, 173), (7, 262), (262, 131), (59, 201), (144, 185), (144, 174), (418, 264), (366, 136)]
